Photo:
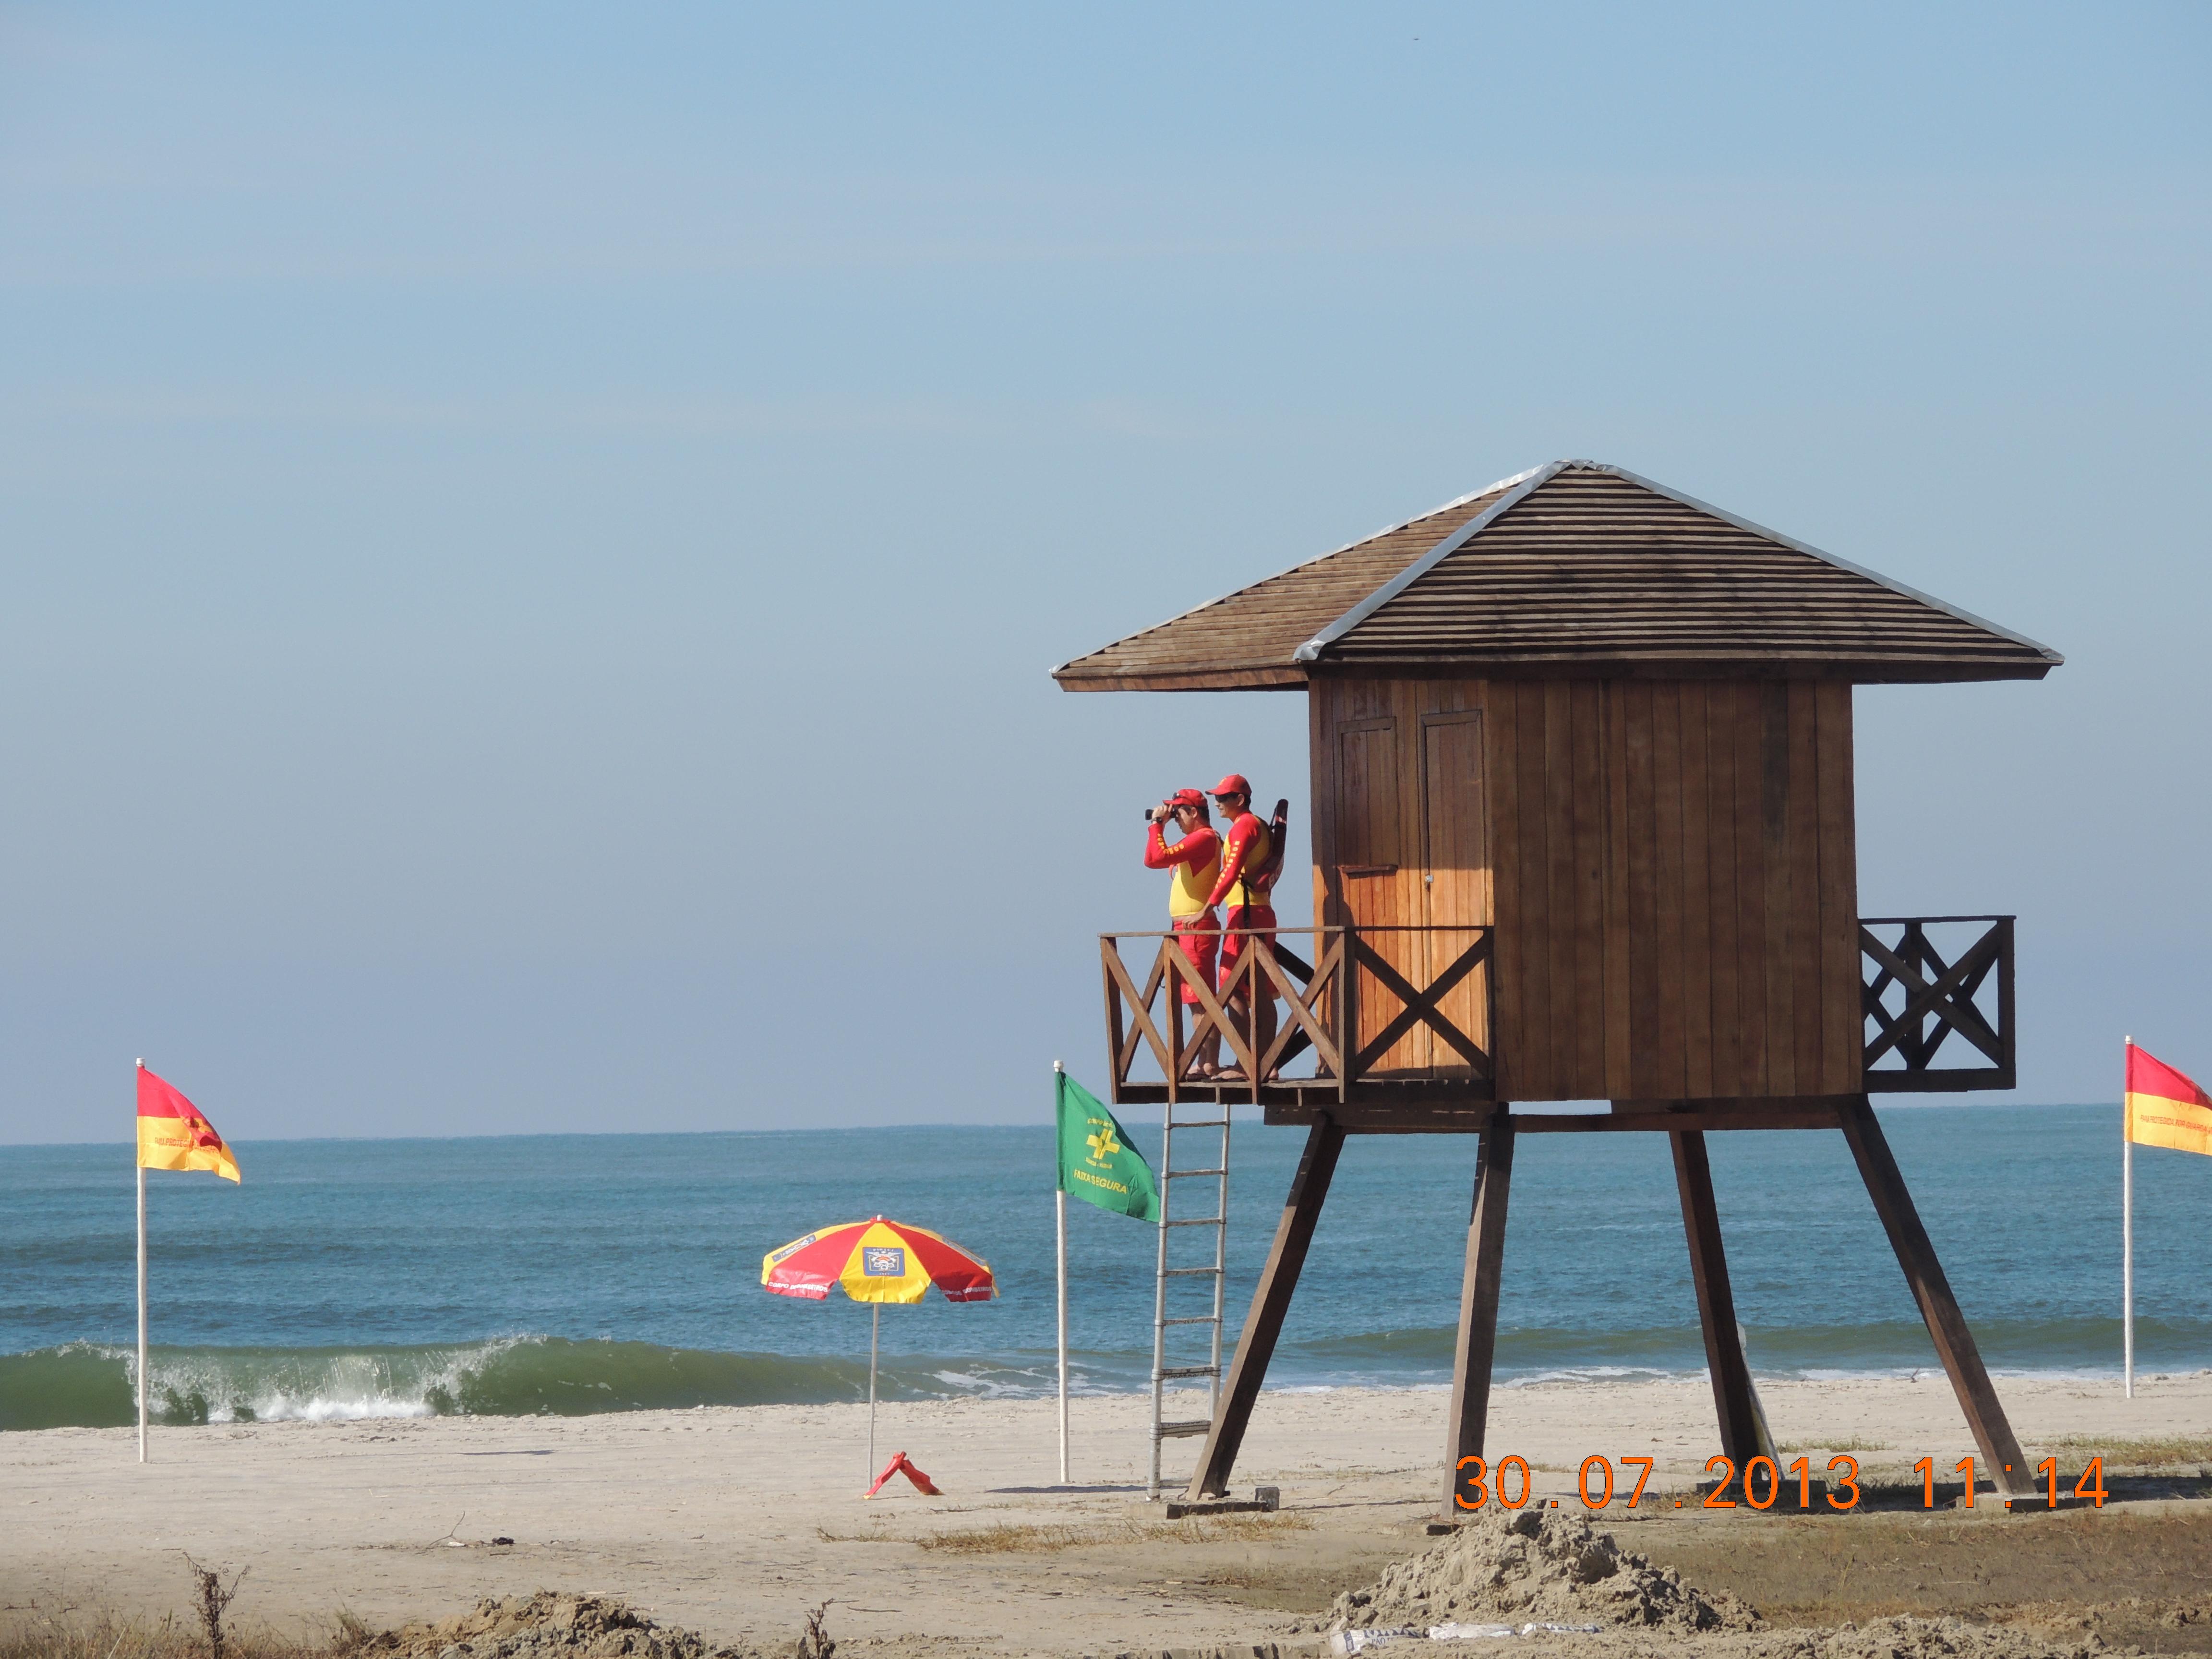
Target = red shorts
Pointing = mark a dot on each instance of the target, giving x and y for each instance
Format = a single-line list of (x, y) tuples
[(1261, 918), (1200, 938)]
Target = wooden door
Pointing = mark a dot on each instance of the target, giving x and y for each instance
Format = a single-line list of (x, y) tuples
[(1371, 859), (1454, 877)]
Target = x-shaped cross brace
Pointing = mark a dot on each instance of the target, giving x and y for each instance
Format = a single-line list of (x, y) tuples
[(1421, 1006), (1948, 999)]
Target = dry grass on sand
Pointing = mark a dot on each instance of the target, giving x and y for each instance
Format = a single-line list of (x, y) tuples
[(2161, 1454), (545, 1626), (43, 1636), (1015, 1538), (2130, 1576), (1971, 1585)]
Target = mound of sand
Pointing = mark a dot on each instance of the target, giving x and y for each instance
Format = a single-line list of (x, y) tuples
[(1542, 1566), (1550, 1567), (546, 1625)]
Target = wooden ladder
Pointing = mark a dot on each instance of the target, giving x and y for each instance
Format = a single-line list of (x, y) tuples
[(1171, 1265)]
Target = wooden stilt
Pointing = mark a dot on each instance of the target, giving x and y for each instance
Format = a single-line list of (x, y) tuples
[(1731, 1375), (1478, 1299), (1271, 1301), (2001, 1457)]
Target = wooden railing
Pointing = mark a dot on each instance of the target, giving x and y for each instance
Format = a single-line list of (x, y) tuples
[(1372, 1017), (1937, 1000), (1333, 1009)]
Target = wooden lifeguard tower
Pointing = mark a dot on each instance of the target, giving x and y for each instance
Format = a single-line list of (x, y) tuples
[(1582, 829)]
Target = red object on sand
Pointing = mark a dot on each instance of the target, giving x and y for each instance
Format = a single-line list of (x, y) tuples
[(901, 1464)]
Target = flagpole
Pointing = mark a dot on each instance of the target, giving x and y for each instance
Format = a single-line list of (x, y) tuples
[(144, 1381), (141, 1313), (1060, 1197), (1061, 1206), (2127, 1230)]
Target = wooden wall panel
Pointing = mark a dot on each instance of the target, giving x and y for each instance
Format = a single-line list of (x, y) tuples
[(1561, 1050), (1671, 866), (1589, 807), (1633, 952), (1748, 737), (1842, 1029), (1501, 738), (1534, 1066), (1669, 947), (1784, 933), (1729, 1073), (1370, 830), (1408, 844), (1697, 959), (1373, 863), (1456, 868), (1620, 843), (1803, 834)]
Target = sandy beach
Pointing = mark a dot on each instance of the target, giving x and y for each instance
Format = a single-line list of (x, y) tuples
[(732, 1521)]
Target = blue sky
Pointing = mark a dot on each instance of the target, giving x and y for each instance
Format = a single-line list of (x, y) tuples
[(531, 539)]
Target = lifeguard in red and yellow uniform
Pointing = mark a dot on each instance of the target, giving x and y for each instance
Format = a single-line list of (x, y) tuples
[(1250, 860), (1195, 858)]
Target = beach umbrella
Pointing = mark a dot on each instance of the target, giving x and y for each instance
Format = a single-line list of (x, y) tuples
[(876, 1261)]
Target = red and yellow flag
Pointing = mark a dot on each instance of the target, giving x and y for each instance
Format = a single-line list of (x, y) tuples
[(173, 1135), (2164, 1108)]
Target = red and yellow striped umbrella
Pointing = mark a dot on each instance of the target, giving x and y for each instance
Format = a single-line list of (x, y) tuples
[(877, 1261)]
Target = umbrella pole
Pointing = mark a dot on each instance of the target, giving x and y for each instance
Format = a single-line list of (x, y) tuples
[(875, 1331)]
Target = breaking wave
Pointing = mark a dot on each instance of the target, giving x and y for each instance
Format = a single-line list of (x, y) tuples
[(91, 1385)]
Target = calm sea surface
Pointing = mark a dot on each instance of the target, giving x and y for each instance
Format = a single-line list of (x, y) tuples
[(606, 1273)]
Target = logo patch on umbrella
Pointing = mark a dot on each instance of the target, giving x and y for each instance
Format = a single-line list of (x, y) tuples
[(883, 1261)]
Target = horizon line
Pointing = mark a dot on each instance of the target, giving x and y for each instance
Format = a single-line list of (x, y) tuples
[(1905, 1104)]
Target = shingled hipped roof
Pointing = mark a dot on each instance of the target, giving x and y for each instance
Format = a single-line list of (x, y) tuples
[(1576, 569)]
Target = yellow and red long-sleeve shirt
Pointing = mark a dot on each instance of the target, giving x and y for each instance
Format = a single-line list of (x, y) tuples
[(1248, 876), (1196, 862)]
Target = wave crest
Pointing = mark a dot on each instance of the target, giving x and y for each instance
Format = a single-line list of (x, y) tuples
[(93, 1385)]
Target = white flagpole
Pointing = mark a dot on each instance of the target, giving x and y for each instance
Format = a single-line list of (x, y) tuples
[(143, 1379), (1060, 1196), (2127, 1231), (141, 1313), (1063, 1206)]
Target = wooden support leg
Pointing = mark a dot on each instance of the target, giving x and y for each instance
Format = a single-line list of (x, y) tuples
[(1271, 1301), (1731, 1375), (1478, 1300), (2001, 1457)]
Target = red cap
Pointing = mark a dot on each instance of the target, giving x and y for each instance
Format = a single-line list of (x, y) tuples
[(1234, 784), (1186, 797)]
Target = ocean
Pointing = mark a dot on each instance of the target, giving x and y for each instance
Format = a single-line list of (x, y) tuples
[(575, 1274)]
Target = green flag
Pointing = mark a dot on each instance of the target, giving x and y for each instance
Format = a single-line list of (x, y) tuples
[(1097, 1163)]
